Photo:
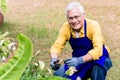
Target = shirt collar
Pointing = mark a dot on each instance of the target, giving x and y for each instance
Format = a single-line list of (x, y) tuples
[(81, 31)]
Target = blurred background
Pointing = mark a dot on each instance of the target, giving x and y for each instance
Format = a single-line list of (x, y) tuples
[(41, 20)]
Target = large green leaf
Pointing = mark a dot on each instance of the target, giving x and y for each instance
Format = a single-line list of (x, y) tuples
[(15, 66)]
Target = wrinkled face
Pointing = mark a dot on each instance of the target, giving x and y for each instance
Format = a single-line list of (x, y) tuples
[(75, 19)]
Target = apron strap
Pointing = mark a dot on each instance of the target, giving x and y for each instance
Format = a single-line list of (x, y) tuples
[(85, 28)]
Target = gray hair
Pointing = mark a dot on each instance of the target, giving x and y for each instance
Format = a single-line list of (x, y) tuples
[(74, 5)]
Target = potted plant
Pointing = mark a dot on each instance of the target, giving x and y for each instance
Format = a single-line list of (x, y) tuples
[(3, 8)]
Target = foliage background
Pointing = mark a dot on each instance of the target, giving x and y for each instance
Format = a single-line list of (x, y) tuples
[(42, 19)]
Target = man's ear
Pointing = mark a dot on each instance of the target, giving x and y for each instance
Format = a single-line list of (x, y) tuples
[(84, 14)]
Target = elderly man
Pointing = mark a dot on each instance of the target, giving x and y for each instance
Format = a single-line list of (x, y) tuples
[(90, 55)]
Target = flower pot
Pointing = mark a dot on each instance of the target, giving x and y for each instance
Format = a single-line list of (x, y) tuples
[(1, 18)]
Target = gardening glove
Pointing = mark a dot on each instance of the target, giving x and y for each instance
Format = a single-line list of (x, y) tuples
[(54, 64), (74, 62)]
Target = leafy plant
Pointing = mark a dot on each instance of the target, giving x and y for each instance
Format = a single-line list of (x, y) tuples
[(37, 70), (13, 67), (71, 71), (3, 5), (7, 46)]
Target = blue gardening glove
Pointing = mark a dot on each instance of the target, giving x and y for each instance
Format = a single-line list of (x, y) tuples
[(54, 64), (74, 62)]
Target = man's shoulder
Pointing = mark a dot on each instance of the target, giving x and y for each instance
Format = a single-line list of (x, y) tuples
[(91, 21), (93, 25), (66, 25)]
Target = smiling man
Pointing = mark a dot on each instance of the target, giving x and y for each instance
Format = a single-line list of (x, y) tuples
[(90, 55)]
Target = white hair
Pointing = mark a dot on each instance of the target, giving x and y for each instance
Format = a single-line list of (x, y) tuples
[(72, 5)]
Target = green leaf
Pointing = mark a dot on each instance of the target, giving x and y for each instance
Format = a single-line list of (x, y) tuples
[(15, 66), (2, 36), (71, 71), (41, 65), (3, 5)]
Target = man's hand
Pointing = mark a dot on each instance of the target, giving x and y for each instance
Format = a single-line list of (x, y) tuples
[(54, 64), (74, 62)]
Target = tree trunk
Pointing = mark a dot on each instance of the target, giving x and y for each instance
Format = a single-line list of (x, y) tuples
[(1, 18)]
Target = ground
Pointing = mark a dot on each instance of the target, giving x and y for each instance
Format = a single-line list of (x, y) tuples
[(22, 14)]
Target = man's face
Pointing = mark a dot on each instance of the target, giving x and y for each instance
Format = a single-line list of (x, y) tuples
[(75, 19)]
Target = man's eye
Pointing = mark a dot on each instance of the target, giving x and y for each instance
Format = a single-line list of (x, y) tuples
[(70, 17), (76, 17)]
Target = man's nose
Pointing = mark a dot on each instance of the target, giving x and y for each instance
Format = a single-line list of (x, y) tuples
[(74, 20)]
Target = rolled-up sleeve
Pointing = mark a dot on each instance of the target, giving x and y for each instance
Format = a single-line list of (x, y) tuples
[(61, 40), (97, 40)]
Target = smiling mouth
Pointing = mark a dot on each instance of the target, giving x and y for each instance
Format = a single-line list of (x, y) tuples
[(76, 24)]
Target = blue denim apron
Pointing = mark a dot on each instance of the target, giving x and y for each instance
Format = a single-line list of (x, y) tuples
[(80, 47)]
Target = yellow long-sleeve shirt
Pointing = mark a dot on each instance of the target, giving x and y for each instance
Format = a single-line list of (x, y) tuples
[(94, 33)]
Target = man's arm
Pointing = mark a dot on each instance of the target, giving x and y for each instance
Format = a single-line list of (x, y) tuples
[(58, 46), (54, 55), (60, 41), (87, 58), (97, 39)]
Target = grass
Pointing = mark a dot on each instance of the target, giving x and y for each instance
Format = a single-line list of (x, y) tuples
[(42, 19)]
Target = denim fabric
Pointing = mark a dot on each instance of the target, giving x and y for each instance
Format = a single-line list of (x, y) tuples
[(60, 72), (98, 72), (95, 73)]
